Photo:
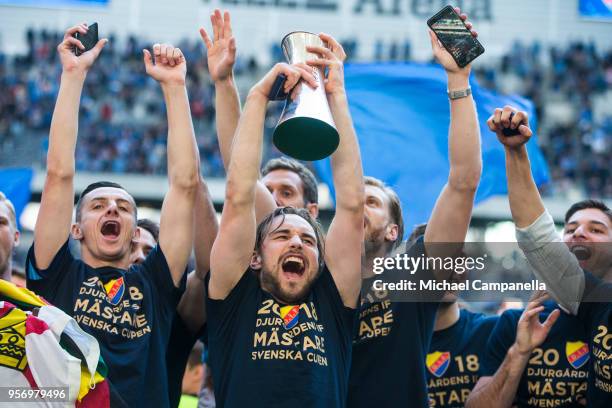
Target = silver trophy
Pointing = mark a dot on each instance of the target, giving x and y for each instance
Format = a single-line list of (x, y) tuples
[(306, 129)]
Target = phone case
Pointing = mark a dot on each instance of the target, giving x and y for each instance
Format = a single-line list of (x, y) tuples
[(435, 17), (88, 40), (276, 92), (511, 132)]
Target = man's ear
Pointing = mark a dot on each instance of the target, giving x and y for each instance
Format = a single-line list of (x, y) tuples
[(136, 235), (77, 233), (313, 209), (391, 233), (16, 238), (255, 261)]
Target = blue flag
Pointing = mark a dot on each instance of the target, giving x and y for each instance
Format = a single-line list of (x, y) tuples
[(600, 9), (402, 117), (15, 184)]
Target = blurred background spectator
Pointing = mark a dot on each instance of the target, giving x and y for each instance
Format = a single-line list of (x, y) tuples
[(122, 119)]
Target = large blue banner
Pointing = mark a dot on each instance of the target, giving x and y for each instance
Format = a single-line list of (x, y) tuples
[(15, 184), (402, 115), (601, 9)]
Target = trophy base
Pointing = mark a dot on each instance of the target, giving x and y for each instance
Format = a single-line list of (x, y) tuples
[(305, 138)]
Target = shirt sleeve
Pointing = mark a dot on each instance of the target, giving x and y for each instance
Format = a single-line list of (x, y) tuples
[(157, 271), (501, 339), (46, 282), (552, 262), (221, 313), (328, 285)]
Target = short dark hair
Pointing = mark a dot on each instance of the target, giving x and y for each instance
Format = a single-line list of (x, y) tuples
[(150, 226), (586, 204), (309, 181), (395, 206), (92, 187), (264, 226)]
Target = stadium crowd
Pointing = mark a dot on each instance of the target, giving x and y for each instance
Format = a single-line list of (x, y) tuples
[(120, 129)]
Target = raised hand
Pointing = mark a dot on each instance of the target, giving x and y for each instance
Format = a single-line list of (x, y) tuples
[(168, 65), (82, 63), (222, 49), (443, 56), (530, 332), (332, 58), (501, 119), (293, 73)]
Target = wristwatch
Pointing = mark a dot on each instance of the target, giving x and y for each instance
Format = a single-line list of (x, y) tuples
[(459, 93)]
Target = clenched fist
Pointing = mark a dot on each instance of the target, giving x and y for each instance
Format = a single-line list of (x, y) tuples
[(167, 66)]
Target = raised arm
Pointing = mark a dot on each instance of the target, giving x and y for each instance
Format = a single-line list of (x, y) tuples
[(192, 307), (221, 55), (233, 248), (451, 215), (500, 389), (550, 259), (345, 235), (176, 221), (55, 214)]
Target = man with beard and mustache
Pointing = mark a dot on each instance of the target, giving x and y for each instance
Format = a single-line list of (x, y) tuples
[(393, 338), (280, 308), (577, 270), (128, 309)]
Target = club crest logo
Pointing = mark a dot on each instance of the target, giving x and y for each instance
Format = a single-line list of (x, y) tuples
[(114, 290), (577, 353), (438, 362), (290, 315)]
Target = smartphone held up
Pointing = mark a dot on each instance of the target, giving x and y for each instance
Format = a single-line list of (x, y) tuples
[(89, 39), (455, 37)]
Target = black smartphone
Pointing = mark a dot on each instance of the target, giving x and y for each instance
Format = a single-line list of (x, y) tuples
[(276, 92), (454, 36), (89, 39), (511, 132)]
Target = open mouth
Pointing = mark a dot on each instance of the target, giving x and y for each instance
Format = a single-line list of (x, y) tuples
[(110, 229), (293, 266), (581, 252)]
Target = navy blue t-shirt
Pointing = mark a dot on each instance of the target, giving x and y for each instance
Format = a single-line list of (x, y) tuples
[(389, 350), (597, 317), (128, 312), (266, 354), (454, 359), (181, 341), (556, 374)]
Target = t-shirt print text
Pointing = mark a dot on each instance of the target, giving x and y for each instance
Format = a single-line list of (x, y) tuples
[(113, 308), (289, 332), (375, 316)]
